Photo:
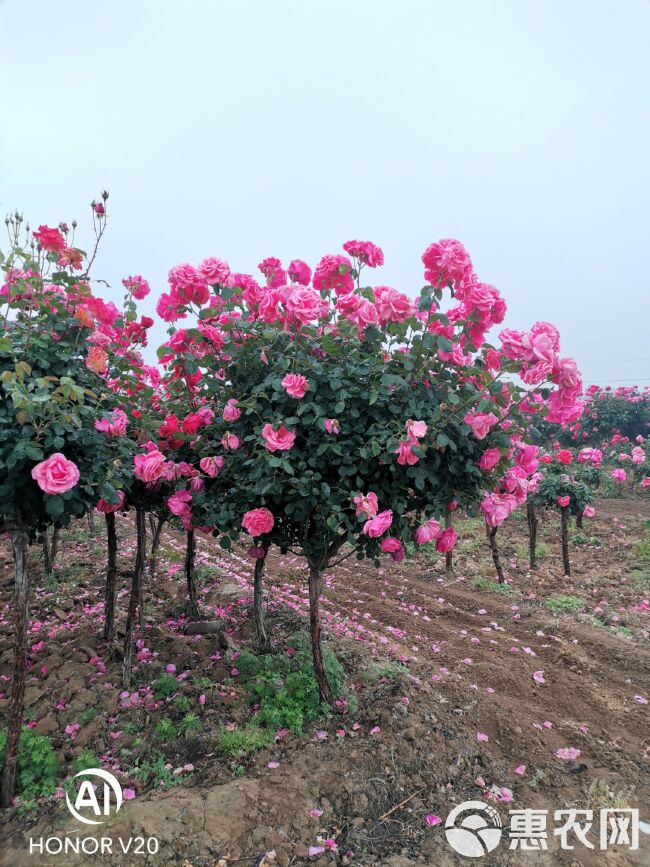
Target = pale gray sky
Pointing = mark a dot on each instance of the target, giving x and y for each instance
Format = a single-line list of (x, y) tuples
[(251, 128)]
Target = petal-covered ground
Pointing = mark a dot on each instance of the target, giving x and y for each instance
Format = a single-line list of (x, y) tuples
[(532, 694)]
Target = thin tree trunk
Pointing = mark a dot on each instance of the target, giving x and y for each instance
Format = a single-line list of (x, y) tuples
[(152, 524), (190, 553), (579, 518), (91, 524), (449, 557), (47, 557), (141, 581), (20, 544), (315, 583), (111, 576), (140, 554), (263, 640), (565, 540), (532, 533), (156, 532), (54, 545), (491, 533)]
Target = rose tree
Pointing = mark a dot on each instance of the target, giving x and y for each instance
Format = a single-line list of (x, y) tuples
[(353, 415), (54, 463)]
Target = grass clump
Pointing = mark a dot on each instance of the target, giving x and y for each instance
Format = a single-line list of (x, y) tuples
[(377, 671), (156, 771), (239, 743), (485, 584), (523, 553), (564, 604)]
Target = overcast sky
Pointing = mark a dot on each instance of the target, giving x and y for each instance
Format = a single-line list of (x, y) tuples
[(251, 128)]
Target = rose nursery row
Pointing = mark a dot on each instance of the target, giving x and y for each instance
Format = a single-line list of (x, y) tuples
[(312, 410)]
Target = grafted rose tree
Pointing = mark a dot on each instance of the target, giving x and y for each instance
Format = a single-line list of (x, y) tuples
[(154, 473), (351, 415), (131, 423), (181, 435), (561, 490), (512, 491), (54, 463)]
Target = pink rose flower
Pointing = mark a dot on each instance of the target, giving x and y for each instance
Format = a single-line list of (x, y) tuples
[(366, 252), (563, 502), (230, 410), (295, 385), (106, 508), (278, 440), (230, 441), (49, 239), (392, 306), (497, 507), (333, 272), (367, 504), (588, 511), (619, 475), (480, 423), (446, 261), (405, 455), (149, 467), (214, 271), (212, 465), (115, 425), (56, 474), (332, 425), (393, 547), (447, 540), (416, 429), (258, 521), (299, 272), (378, 525), (427, 532), (137, 286), (178, 504), (302, 304), (489, 459)]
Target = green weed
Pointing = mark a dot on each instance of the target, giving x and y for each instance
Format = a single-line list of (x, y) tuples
[(239, 743), (484, 584), (285, 687), (564, 604), (37, 766)]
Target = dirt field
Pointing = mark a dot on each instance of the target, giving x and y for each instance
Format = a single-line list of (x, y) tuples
[(443, 705)]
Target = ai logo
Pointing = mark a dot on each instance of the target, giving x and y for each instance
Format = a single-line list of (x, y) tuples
[(87, 796)]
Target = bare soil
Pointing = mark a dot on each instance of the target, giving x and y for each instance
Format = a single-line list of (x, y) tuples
[(431, 661)]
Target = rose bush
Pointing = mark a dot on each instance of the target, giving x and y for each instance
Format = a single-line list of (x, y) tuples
[(335, 391), (54, 462)]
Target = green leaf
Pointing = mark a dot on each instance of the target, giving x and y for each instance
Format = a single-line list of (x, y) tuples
[(54, 505)]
